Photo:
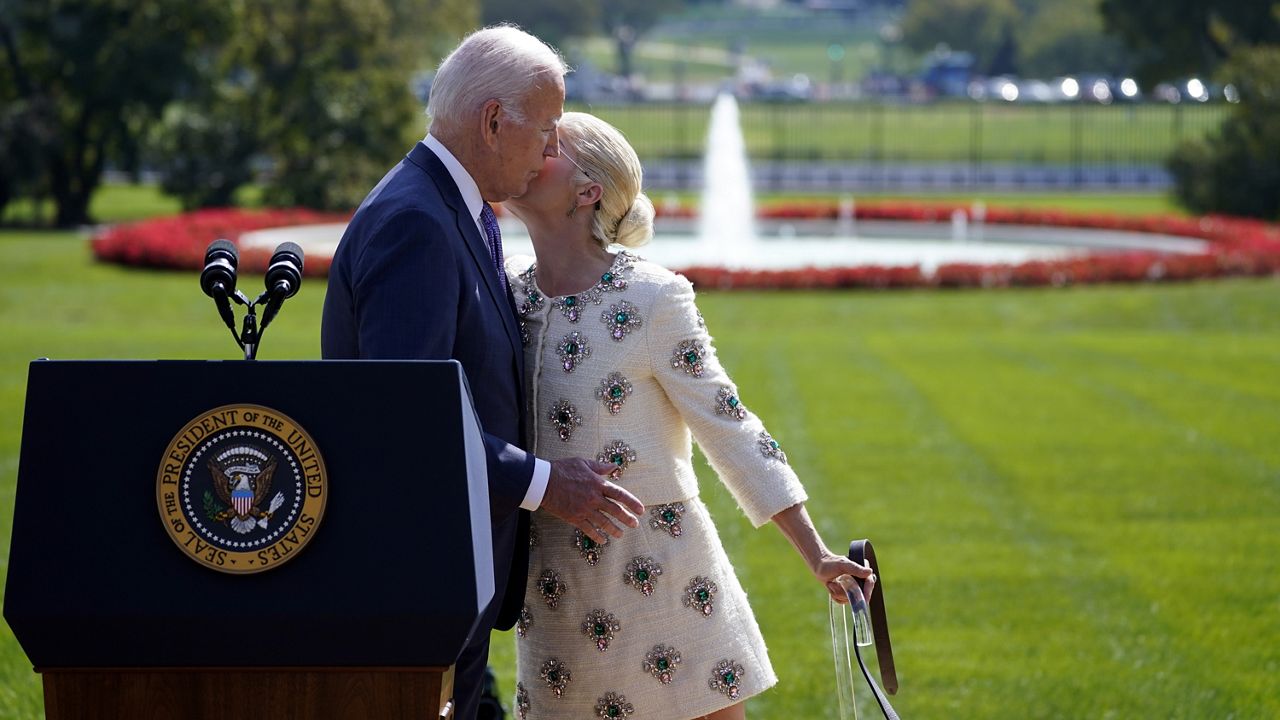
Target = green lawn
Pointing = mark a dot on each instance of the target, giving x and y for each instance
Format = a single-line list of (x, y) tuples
[(1073, 492)]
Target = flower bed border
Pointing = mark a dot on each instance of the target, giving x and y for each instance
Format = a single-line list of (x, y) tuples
[(1237, 247)]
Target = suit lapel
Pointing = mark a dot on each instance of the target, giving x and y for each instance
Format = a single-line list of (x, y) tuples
[(476, 245)]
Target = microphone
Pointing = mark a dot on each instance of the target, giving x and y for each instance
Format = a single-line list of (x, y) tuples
[(284, 272), (218, 279), (284, 277)]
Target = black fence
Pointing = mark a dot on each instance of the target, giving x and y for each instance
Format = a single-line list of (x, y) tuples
[(836, 145)]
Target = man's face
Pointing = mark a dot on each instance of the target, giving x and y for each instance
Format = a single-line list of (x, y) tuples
[(523, 146)]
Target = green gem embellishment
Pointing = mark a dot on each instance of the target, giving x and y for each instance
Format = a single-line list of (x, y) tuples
[(620, 454), (565, 418), (532, 298), (556, 675), (667, 517), (641, 573), (621, 319), (661, 663), (726, 678), (569, 307), (588, 548), (613, 705), (606, 278), (600, 627), (700, 594), (614, 391), (770, 448), (728, 404), (551, 587), (522, 701), (689, 356), (573, 349)]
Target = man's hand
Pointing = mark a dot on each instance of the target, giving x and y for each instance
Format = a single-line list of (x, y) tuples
[(580, 493)]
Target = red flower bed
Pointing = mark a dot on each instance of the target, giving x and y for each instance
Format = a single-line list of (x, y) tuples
[(179, 241), (1237, 247)]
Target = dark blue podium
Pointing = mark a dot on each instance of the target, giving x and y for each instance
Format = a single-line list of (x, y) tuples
[(138, 592)]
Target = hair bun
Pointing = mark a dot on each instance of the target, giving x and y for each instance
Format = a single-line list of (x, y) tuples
[(636, 227)]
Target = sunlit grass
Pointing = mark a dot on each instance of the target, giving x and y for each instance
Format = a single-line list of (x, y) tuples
[(1073, 492)]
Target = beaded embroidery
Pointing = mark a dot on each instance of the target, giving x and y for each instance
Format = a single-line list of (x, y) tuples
[(726, 678), (688, 356), (600, 627), (667, 517), (728, 403), (661, 663), (621, 318), (613, 705), (769, 447), (614, 390), (556, 675), (569, 306), (641, 573), (551, 587), (565, 418), (590, 549), (525, 339), (532, 298), (523, 623), (535, 535), (618, 453), (700, 594), (573, 349), (522, 701)]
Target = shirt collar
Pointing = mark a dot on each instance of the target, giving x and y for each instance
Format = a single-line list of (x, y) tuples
[(466, 185)]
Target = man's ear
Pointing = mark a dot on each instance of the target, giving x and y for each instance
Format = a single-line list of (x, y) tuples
[(490, 122)]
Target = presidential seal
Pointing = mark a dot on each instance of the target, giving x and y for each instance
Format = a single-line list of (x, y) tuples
[(241, 488)]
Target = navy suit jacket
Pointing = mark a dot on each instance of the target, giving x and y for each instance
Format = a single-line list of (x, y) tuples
[(413, 279)]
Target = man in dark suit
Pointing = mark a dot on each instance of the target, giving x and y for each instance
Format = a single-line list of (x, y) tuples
[(418, 275)]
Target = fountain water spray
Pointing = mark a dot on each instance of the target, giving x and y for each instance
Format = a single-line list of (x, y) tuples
[(726, 225)]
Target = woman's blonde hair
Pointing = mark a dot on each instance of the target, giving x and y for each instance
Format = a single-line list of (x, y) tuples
[(623, 215)]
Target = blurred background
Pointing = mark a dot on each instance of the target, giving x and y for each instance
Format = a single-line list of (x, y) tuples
[(219, 103), (1074, 491)]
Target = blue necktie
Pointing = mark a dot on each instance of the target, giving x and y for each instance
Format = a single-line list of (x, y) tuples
[(490, 222)]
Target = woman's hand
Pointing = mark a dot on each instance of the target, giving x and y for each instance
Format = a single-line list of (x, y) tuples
[(825, 565), (830, 566)]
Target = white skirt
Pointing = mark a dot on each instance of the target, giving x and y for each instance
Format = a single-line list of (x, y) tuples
[(652, 625)]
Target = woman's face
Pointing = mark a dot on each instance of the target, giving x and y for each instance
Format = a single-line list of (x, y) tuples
[(556, 186)]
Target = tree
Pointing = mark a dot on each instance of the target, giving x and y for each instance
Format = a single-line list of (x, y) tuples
[(87, 73), (627, 20), (554, 21), (1236, 170), (315, 90), (982, 27), (1189, 37), (1067, 37)]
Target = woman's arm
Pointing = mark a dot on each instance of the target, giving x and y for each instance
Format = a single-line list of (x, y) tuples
[(825, 565)]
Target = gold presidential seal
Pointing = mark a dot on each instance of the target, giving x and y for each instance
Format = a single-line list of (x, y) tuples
[(241, 488)]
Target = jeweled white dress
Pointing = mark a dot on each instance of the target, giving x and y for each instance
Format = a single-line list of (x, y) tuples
[(656, 624)]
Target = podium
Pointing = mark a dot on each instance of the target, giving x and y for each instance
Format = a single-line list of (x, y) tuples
[(287, 539)]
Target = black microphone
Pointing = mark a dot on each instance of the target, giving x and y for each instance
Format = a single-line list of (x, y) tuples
[(284, 277), (284, 272), (218, 279)]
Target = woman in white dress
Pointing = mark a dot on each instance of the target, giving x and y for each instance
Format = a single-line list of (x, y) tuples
[(620, 367)]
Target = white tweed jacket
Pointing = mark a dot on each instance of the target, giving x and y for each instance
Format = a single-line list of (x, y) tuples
[(625, 372)]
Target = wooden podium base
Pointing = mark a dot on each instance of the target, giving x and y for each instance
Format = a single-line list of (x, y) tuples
[(274, 693)]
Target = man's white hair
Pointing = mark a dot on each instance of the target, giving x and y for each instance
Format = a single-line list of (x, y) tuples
[(502, 63)]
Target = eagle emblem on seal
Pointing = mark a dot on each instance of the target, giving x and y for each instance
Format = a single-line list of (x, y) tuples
[(242, 480)]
